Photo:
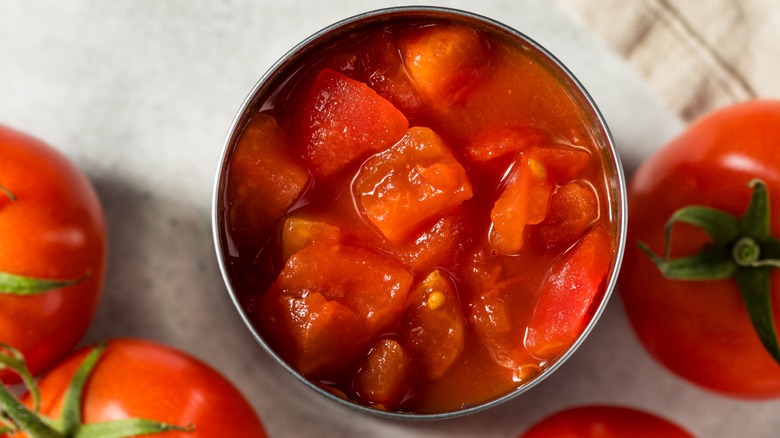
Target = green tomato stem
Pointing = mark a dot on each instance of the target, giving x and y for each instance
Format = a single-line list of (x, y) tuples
[(742, 248), (8, 193), (12, 284), (24, 418), (11, 358), (71, 405)]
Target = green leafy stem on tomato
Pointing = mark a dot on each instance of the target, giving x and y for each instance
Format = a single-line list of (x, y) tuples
[(16, 417), (742, 248), (12, 284)]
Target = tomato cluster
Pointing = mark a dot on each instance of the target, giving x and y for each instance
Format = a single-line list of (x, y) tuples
[(51, 273)]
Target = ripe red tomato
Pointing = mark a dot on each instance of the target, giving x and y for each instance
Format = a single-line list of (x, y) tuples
[(605, 422), (54, 230), (701, 330), (135, 378)]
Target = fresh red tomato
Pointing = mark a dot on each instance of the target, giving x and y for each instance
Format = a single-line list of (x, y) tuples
[(605, 422), (51, 228), (701, 329), (135, 378)]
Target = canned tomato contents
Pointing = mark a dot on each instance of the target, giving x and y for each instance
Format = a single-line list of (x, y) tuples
[(418, 216)]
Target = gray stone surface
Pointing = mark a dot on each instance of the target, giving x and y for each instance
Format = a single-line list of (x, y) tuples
[(140, 94)]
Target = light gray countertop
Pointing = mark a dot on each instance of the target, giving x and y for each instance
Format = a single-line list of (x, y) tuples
[(140, 94)]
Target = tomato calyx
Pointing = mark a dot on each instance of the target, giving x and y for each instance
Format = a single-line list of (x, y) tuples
[(12, 284), (742, 248), (16, 417), (8, 193)]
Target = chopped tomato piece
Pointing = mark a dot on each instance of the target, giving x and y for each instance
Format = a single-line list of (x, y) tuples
[(415, 180), (524, 201), (384, 71), (563, 163), (563, 308), (437, 246), (344, 120), (573, 208), (263, 179), (329, 301), (502, 142), (434, 329), (384, 377), (444, 60), (299, 232)]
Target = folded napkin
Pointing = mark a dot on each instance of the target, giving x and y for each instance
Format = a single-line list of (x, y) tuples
[(699, 55)]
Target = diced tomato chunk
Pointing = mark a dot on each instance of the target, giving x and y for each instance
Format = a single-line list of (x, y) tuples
[(563, 308), (329, 301), (437, 246), (263, 179), (573, 208), (384, 377), (300, 232), (563, 163), (383, 69), (434, 329), (444, 60), (343, 120), (503, 142), (496, 310), (524, 201), (415, 180)]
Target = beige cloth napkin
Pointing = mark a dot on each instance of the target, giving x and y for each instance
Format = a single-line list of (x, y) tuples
[(697, 55)]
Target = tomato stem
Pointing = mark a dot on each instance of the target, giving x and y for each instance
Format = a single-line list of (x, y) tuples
[(25, 419), (742, 248), (8, 193), (11, 358), (12, 284)]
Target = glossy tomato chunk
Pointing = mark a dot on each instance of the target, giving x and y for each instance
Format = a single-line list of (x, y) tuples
[(563, 163), (329, 301), (416, 180), (497, 310), (502, 142), (524, 201), (343, 120), (435, 247), (299, 232), (573, 208), (264, 179), (443, 60), (563, 308), (383, 70), (384, 377), (434, 327)]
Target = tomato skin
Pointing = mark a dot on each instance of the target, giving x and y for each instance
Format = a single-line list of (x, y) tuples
[(604, 422), (701, 330), (55, 229), (136, 378)]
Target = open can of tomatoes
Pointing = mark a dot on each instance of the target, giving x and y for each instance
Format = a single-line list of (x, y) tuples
[(419, 212)]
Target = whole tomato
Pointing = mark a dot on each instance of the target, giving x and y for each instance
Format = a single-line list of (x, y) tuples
[(706, 316), (53, 234), (605, 422), (139, 379)]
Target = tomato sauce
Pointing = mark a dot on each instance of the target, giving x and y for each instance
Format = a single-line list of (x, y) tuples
[(417, 217)]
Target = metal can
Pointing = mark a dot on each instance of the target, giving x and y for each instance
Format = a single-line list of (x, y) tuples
[(593, 125)]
